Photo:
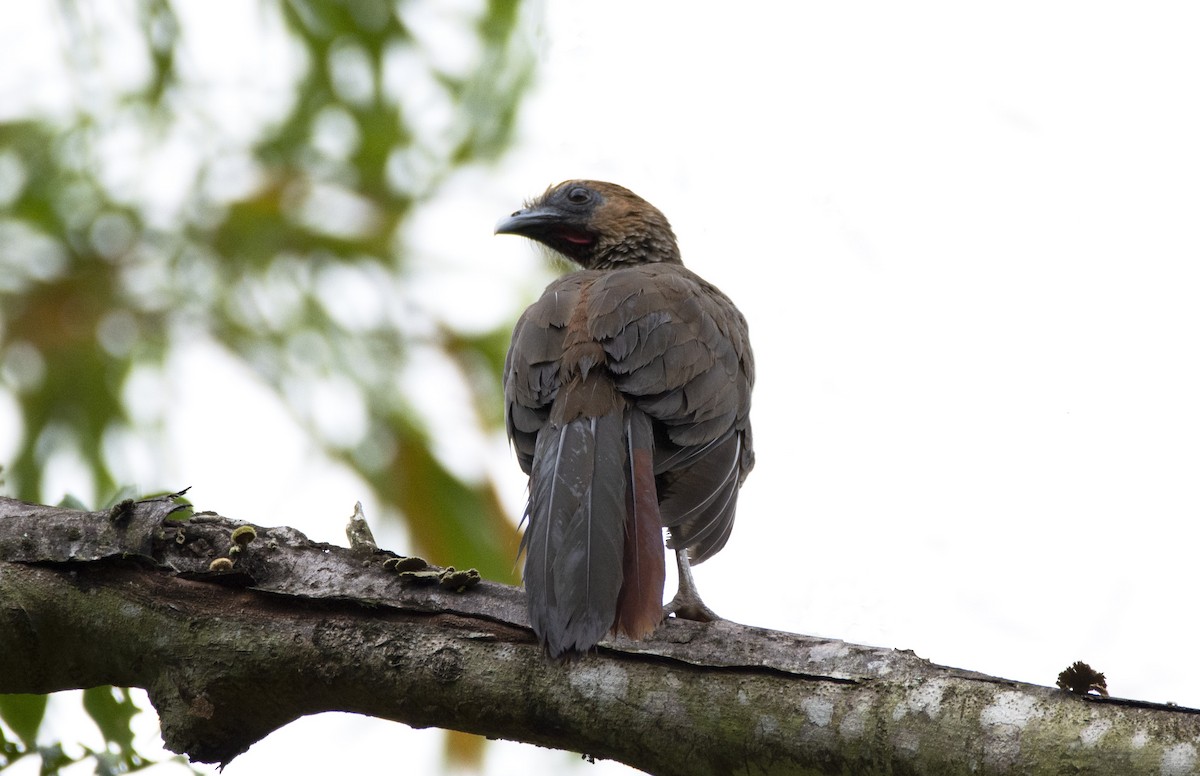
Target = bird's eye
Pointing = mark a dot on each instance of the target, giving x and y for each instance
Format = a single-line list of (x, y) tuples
[(579, 195)]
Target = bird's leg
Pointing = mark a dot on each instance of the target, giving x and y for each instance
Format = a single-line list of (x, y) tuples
[(687, 604)]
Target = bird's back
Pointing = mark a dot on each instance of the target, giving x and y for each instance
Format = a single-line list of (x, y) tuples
[(627, 398), (679, 349)]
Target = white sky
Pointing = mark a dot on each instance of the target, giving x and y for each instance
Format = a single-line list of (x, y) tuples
[(966, 241)]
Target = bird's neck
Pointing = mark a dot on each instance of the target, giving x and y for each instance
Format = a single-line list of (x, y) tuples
[(648, 249)]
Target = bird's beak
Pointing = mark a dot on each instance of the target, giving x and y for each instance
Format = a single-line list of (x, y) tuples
[(528, 220)]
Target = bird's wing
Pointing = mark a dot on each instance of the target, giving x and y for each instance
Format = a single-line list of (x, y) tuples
[(680, 350), (531, 369)]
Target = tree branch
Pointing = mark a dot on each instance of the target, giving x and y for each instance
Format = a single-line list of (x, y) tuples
[(132, 597)]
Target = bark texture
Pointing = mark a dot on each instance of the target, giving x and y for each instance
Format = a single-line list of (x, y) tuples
[(293, 627)]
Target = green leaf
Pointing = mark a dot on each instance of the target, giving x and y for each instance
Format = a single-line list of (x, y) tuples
[(54, 759), (70, 501), (10, 752), (23, 713), (107, 764), (112, 709)]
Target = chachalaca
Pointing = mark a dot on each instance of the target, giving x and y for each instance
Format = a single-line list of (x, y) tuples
[(627, 399)]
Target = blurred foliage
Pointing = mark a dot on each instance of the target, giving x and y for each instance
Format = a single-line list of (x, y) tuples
[(110, 708), (264, 236), (160, 201), (23, 714)]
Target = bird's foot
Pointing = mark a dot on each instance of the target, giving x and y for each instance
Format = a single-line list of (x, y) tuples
[(689, 607), (686, 604)]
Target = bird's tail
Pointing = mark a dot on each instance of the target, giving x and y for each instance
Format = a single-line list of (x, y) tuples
[(640, 605), (593, 545)]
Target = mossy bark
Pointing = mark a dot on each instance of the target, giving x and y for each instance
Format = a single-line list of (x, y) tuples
[(296, 627)]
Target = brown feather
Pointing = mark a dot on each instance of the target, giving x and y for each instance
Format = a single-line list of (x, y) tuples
[(627, 399), (639, 607)]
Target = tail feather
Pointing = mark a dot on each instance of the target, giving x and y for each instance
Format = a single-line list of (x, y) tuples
[(575, 537), (639, 608)]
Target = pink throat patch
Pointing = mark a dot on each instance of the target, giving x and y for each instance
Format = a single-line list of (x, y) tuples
[(577, 238)]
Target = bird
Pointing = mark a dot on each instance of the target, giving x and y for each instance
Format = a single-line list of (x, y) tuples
[(627, 390)]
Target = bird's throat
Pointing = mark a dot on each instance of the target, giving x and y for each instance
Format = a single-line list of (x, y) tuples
[(576, 238)]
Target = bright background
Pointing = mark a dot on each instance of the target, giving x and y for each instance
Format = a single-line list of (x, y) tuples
[(966, 239)]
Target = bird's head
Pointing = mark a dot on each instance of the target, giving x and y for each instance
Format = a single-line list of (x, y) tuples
[(597, 225)]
